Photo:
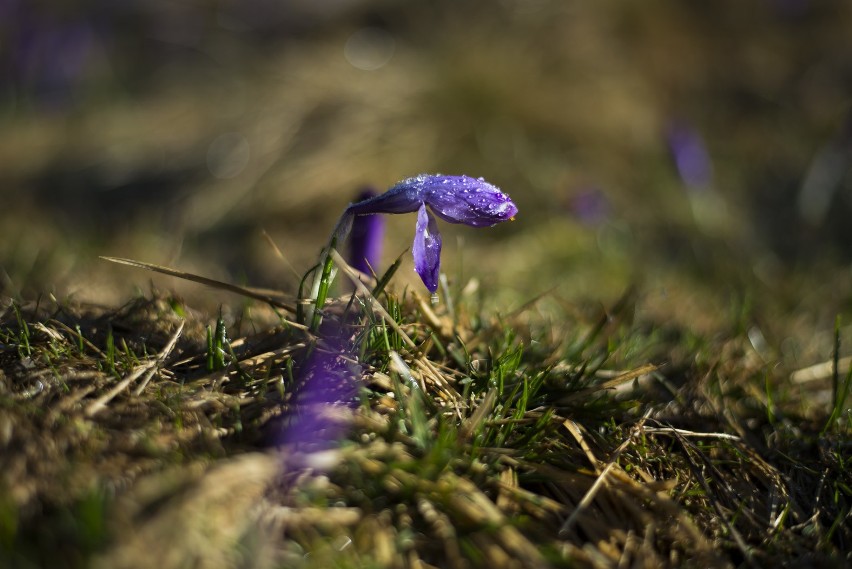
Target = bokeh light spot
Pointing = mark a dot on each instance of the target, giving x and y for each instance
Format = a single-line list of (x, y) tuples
[(228, 155), (369, 49)]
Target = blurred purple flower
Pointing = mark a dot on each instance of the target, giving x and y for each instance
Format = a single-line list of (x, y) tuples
[(49, 54), (365, 240), (690, 156), (324, 398), (456, 199), (590, 206)]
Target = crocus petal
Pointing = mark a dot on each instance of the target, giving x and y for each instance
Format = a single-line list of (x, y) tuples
[(472, 201), (427, 249), (326, 392), (365, 241), (402, 198)]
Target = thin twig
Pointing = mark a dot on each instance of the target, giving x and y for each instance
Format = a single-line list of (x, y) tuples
[(574, 429), (278, 253), (685, 433), (610, 384), (242, 291), (601, 479), (137, 372), (472, 423)]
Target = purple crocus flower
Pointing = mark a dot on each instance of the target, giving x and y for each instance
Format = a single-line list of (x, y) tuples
[(456, 199), (690, 156), (590, 206), (325, 396), (365, 240)]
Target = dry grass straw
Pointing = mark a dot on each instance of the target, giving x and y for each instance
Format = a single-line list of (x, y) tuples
[(527, 460)]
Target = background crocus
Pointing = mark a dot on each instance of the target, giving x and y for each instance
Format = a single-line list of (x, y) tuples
[(690, 156), (365, 240), (325, 395), (456, 199)]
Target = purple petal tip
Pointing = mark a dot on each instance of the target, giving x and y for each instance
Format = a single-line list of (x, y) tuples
[(471, 201)]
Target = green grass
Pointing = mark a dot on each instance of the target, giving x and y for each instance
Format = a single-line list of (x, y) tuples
[(560, 416), (535, 438)]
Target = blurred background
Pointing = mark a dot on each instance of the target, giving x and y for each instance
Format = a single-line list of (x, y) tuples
[(700, 151)]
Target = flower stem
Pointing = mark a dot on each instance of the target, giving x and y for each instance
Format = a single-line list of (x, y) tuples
[(323, 284)]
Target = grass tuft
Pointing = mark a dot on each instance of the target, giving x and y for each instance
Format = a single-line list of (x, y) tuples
[(391, 432)]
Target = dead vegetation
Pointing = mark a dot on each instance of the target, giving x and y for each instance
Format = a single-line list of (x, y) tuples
[(135, 438)]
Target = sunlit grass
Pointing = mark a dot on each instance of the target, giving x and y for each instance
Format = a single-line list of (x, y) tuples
[(657, 383), (580, 438)]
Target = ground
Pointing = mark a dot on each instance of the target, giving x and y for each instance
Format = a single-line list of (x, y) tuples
[(648, 367)]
